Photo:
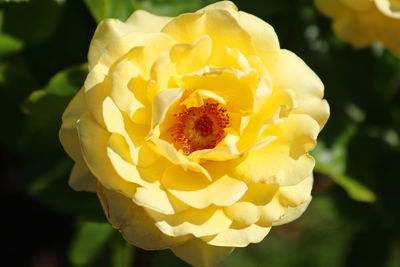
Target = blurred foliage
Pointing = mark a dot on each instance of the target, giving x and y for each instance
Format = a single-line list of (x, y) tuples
[(354, 217)]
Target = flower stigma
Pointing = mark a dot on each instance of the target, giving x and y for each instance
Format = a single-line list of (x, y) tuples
[(197, 128)]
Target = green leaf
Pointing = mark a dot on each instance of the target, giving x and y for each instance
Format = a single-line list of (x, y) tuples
[(89, 242), (172, 7), (68, 81), (17, 1), (56, 94), (121, 252), (332, 162), (49, 184), (9, 44), (45, 175), (16, 83), (32, 22), (44, 109), (119, 9)]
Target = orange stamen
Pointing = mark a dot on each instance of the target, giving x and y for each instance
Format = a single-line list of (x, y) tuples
[(199, 128)]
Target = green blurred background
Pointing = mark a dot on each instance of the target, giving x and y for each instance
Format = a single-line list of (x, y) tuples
[(353, 219)]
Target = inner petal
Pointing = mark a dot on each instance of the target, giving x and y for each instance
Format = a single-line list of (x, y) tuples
[(201, 127)]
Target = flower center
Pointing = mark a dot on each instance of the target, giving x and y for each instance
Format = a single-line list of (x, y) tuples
[(198, 128)]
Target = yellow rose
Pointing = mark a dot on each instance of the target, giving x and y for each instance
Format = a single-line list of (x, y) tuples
[(194, 131), (362, 22)]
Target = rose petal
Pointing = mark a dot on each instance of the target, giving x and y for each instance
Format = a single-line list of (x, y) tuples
[(81, 179), (139, 21), (293, 213), (204, 222), (223, 192), (239, 236), (298, 131), (156, 199), (199, 253), (168, 151), (273, 164), (296, 195), (225, 82), (93, 140), (110, 33), (190, 57), (134, 224)]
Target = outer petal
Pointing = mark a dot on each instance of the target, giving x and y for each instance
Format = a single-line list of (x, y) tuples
[(293, 213), (296, 195), (68, 134), (273, 164), (93, 140), (108, 39), (242, 31), (199, 254), (255, 204), (116, 37), (81, 179), (199, 223), (306, 85), (134, 224), (142, 21), (239, 236), (298, 131)]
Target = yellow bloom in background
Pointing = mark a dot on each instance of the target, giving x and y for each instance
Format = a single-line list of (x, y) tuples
[(194, 131), (362, 22)]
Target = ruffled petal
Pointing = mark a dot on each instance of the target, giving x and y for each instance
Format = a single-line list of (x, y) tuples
[(204, 222), (93, 140), (239, 236), (200, 254), (223, 192), (298, 131), (121, 75), (169, 152), (142, 21), (273, 164), (226, 82), (112, 39), (117, 124), (258, 206), (162, 102), (134, 224), (304, 83), (293, 213), (267, 114), (191, 57), (155, 198), (296, 195)]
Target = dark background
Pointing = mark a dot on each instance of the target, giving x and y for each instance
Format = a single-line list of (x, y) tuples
[(353, 219)]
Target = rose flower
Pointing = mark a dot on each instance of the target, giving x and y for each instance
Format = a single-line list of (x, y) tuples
[(362, 22), (194, 131)]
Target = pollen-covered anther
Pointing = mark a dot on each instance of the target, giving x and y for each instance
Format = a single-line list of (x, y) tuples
[(197, 128)]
